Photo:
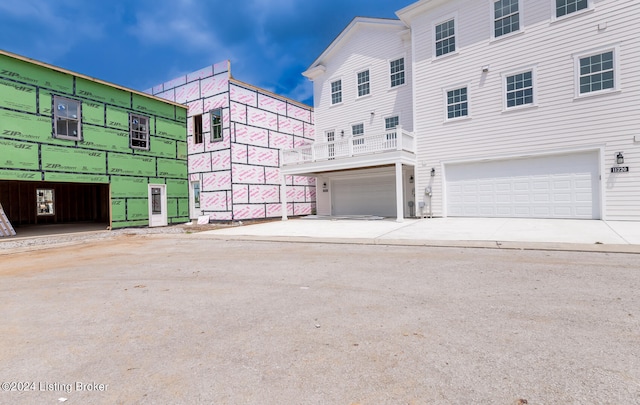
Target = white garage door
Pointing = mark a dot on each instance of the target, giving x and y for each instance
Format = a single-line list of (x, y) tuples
[(558, 186), (368, 196)]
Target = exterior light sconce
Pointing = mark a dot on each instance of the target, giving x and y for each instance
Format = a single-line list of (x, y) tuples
[(433, 172), (324, 185), (411, 179), (485, 68), (619, 158), (342, 133)]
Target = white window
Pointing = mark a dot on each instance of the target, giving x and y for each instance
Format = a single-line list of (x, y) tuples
[(138, 132), (397, 72), (506, 17), (364, 87), (391, 123), (336, 92), (457, 103), (445, 37), (216, 125), (596, 72), (519, 90), (197, 129), (566, 7), (66, 116)]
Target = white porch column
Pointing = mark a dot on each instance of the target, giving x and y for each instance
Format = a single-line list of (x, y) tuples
[(283, 196), (399, 194)]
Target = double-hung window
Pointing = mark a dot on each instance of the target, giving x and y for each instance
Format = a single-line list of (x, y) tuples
[(357, 131), (519, 89), (138, 131), (597, 72), (390, 124), (397, 72), (364, 84), (445, 37), (506, 17), (336, 92), (216, 125), (457, 103), (66, 115), (566, 7)]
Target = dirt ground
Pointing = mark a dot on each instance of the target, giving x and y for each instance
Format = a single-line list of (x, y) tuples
[(182, 319)]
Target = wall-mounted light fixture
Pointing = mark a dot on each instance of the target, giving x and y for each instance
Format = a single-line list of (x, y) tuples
[(485, 68), (433, 172), (619, 158), (324, 185), (342, 133), (411, 179)]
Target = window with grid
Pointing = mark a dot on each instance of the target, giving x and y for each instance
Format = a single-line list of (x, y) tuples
[(597, 73), (565, 7), (457, 103), (364, 87), (66, 116), (506, 17), (445, 38), (216, 125), (138, 132), (519, 89), (336, 92), (397, 72), (357, 130)]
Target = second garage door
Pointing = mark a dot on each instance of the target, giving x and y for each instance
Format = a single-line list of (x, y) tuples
[(557, 186), (365, 196)]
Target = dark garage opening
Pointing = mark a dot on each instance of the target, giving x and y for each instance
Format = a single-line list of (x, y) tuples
[(29, 204)]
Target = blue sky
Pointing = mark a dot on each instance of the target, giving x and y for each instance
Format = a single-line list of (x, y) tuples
[(141, 43)]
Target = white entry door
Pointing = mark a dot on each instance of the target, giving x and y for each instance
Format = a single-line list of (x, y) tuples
[(157, 205)]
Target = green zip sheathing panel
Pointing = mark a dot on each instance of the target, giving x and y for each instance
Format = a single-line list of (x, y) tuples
[(71, 160), (153, 107), (18, 155), (33, 74), (30, 152), (18, 96), (100, 92)]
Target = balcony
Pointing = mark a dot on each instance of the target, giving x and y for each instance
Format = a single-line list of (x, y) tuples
[(394, 146)]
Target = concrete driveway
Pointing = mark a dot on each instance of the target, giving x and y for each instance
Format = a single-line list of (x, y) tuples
[(564, 234), (175, 319)]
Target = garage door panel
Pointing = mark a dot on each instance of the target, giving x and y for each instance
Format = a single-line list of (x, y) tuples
[(366, 196), (558, 186)]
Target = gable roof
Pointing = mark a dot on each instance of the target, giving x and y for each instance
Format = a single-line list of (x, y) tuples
[(358, 22)]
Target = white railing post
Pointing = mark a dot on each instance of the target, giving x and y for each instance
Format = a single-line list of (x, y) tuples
[(399, 136), (350, 140)]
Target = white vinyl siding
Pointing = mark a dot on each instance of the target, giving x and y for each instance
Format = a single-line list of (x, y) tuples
[(563, 120)]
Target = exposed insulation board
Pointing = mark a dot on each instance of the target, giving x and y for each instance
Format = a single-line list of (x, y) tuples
[(106, 139), (128, 187), (153, 107)]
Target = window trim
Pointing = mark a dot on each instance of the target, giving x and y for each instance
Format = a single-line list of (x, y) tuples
[(445, 95), (78, 119), (331, 93), (492, 20), (404, 71), (592, 52), (534, 84), (440, 21), (554, 11), (213, 127), (368, 83), (131, 131)]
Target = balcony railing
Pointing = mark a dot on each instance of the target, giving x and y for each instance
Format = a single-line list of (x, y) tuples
[(393, 140)]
